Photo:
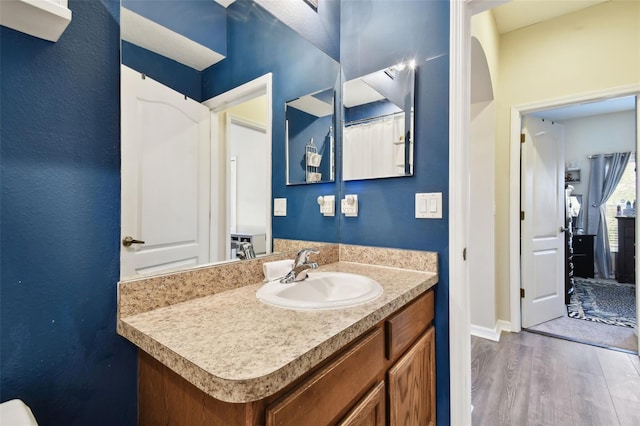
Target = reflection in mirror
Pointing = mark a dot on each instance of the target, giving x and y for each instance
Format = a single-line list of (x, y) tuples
[(309, 137), (168, 197), (378, 124), (191, 85), (576, 213)]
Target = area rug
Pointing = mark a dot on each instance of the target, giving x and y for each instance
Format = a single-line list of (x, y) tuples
[(607, 302)]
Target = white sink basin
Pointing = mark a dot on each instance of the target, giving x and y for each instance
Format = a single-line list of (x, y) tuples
[(321, 290)]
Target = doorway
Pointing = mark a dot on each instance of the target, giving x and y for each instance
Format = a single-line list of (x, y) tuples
[(241, 114), (599, 308), (460, 301)]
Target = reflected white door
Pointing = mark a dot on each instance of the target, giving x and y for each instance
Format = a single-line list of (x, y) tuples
[(248, 177), (542, 238), (165, 177)]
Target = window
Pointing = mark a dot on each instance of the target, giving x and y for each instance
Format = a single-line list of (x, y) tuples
[(625, 191)]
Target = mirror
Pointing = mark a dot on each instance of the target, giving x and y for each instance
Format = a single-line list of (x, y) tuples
[(196, 74), (377, 131), (309, 124), (576, 213)]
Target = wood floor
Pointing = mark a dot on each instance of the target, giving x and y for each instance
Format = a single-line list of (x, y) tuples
[(529, 379)]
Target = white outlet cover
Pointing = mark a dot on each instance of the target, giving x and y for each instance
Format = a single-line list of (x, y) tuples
[(349, 210), (279, 206), (328, 207)]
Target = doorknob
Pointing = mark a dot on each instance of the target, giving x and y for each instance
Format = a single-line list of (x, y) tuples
[(563, 229), (127, 241)]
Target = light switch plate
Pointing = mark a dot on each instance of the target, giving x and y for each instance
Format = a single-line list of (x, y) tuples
[(429, 205), (279, 206), (349, 210)]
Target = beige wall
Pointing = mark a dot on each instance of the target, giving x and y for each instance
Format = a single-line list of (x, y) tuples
[(483, 28), (482, 141), (590, 50), (253, 110)]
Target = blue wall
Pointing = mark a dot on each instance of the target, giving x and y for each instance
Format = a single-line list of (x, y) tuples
[(203, 21), (257, 44), (370, 110), (321, 27), (173, 74), (375, 35), (60, 225)]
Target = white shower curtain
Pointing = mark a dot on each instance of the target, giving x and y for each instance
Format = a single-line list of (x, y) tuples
[(369, 149)]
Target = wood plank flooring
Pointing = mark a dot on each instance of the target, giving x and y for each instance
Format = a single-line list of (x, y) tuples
[(530, 379)]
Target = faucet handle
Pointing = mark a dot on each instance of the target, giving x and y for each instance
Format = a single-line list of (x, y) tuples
[(303, 256)]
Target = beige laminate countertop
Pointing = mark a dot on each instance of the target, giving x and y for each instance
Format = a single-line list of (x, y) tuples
[(238, 349)]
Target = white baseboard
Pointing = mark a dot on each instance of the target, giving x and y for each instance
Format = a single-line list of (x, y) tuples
[(491, 333)]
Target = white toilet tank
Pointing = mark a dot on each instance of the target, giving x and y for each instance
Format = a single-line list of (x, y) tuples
[(16, 413)]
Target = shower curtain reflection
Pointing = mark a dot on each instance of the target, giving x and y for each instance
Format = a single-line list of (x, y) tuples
[(374, 148)]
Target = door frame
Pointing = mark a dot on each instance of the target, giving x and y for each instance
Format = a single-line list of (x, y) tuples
[(517, 112), (260, 86)]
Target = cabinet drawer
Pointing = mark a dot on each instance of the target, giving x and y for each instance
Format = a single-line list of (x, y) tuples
[(330, 392), (404, 327)]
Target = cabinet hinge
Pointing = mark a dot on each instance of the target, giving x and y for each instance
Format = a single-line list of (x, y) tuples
[(522, 293), (521, 215), (521, 137)]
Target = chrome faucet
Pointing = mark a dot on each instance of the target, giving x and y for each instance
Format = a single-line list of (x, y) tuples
[(301, 266), (244, 250)]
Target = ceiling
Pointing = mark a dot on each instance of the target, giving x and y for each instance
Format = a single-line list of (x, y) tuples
[(589, 109)]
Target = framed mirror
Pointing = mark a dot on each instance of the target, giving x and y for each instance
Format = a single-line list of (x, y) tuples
[(309, 124), (378, 126)]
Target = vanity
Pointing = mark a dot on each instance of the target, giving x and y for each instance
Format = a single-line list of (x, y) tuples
[(210, 352)]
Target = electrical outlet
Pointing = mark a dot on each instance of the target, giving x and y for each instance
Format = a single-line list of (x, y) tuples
[(349, 205), (279, 206), (327, 205)]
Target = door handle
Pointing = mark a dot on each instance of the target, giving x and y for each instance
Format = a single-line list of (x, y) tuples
[(563, 229), (127, 241)]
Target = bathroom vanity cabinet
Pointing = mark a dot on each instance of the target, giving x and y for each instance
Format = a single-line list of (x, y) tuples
[(386, 376)]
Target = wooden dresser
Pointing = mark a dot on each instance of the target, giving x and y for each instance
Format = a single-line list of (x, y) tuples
[(626, 259), (583, 256)]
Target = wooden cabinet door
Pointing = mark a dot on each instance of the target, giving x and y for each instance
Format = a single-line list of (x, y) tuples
[(369, 411), (328, 394), (412, 385)]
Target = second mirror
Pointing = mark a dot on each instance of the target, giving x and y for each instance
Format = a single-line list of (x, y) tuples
[(309, 132), (378, 124)]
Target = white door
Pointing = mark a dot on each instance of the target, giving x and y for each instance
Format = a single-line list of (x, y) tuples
[(542, 236), (165, 177)]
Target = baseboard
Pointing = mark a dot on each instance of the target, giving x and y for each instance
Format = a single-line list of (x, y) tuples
[(491, 333)]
